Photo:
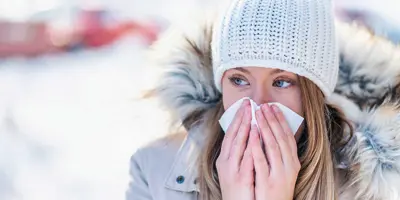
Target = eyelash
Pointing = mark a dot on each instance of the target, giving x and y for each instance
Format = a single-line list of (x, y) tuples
[(285, 80), (234, 78)]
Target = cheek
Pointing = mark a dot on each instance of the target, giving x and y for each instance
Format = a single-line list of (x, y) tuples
[(227, 93), (229, 97), (297, 106), (230, 94), (292, 100)]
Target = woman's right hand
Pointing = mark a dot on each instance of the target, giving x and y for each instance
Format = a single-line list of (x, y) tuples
[(235, 164)]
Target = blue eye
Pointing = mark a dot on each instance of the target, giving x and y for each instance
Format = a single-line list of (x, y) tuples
[(282, 83), (238, 81)]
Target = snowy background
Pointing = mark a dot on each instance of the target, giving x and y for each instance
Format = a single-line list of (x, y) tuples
[(69, 123)]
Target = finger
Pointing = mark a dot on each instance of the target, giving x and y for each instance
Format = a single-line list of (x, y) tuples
[(280, 136), (232, 131), (239, 143), (271, 146), (285, 126), (260, 162), (247, 167)]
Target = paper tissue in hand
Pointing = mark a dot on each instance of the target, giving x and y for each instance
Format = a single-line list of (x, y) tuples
[(293, 119)]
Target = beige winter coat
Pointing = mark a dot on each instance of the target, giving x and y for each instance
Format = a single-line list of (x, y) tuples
[(366, 91)]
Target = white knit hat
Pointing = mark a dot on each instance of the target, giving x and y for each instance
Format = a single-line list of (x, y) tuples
[(293, 35)]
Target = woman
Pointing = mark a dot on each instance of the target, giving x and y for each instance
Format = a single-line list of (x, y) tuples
[(275, 51)]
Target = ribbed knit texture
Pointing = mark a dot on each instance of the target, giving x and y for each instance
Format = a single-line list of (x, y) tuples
[(293, 35)]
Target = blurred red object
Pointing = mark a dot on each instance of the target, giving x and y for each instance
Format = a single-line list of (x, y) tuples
[(24, 38), (90, 31), (95, 32)]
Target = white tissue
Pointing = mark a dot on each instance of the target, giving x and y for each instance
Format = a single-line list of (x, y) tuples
[(294, 120)]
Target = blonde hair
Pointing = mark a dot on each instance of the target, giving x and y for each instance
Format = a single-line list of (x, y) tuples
[(323, 134)]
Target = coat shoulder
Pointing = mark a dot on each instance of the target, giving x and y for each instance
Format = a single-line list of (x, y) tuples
[(150, 167), (167, 146)]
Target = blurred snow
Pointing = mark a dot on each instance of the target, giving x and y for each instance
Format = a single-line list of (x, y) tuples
[(69, 123), (382, 17), (386, 8)]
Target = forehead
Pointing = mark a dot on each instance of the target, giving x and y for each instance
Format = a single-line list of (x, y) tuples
[(259, 70)]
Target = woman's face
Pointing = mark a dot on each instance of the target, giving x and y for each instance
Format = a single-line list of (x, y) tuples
[(263, 85)]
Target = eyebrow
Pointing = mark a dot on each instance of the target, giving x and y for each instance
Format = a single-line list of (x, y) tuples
[(241, 69), (275, 71)]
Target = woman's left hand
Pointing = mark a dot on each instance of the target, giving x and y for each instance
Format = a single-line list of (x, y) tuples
[(276, 170)]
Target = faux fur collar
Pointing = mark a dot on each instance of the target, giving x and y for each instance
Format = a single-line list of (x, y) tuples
[(366, 91)]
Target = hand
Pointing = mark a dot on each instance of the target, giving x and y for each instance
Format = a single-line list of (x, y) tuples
[(276, 173), (235, 164)]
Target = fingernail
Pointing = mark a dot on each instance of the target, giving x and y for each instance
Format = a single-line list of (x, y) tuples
[(265, 107), (259, 113), (247, 109), (245, 102), (275, 108)]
